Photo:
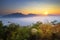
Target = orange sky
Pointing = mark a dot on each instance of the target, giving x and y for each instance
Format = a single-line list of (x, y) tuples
[(50, 10)]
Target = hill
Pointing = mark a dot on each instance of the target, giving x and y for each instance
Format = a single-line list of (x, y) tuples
[(18, 15)]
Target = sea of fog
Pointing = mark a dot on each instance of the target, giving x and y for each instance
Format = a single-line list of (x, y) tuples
[(29, 20)]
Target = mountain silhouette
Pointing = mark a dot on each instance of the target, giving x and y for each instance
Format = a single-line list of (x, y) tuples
[(53, 14), (18, 15)]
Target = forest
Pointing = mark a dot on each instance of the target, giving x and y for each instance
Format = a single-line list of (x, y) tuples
[(37, 31)]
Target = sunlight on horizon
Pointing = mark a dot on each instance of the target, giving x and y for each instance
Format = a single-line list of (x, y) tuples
[(46, 13)]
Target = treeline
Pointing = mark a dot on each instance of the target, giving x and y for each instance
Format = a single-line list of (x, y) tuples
[(38, 31)]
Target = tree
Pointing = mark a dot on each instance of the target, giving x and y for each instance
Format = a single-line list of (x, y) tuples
[(1, 24), (1, 30)]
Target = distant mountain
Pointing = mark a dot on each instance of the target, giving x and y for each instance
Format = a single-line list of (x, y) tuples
[(29, 15), (17, 15), (53, 14), (1, 16)]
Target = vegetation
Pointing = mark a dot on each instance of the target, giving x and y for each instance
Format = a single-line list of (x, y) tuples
[(38, 31)]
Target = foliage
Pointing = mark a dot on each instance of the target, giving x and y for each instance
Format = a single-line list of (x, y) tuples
[(38, 31)]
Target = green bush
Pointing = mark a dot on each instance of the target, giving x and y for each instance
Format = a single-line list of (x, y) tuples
[(38, 31)]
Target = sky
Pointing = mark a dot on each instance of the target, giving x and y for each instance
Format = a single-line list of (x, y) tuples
[(30, 6)]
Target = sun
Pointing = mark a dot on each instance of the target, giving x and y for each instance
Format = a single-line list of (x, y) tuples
[(45, 13)]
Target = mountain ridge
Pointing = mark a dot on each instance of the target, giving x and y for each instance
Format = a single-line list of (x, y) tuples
[(18, 15), (14, 15)]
